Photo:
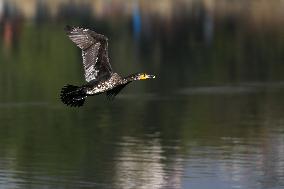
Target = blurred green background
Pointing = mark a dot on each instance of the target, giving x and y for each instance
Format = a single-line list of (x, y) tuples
[(212, 118)]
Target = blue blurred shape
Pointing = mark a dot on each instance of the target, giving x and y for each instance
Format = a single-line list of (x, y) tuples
[(136, 21)]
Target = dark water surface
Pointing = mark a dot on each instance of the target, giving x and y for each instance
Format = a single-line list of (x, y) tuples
[(213, 118)]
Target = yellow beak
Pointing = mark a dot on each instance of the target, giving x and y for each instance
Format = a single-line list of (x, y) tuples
[(146, 76)]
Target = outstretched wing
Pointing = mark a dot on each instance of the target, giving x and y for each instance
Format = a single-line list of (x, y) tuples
[(113, 92), (94, 52)]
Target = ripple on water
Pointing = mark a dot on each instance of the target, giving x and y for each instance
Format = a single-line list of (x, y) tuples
[(241, 88)]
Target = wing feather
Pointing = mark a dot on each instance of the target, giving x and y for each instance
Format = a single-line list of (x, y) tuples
[(80, 37), (94, 52), (113, 92), (90, 58)]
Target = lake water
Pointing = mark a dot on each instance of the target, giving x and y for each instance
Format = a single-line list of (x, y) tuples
[(213, 117)]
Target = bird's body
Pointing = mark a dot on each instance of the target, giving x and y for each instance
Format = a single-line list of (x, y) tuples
[(98, 72), (103, 86)]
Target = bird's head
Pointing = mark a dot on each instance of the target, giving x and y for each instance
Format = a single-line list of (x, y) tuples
[(143, 76)]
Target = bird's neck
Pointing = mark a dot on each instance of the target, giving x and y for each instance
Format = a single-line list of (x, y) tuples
[(126, 80), (129, 78)]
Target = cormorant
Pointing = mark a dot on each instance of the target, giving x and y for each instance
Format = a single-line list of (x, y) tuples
[(98, 72)]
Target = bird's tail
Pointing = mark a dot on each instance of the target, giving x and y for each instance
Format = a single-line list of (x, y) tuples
[(73, 95)]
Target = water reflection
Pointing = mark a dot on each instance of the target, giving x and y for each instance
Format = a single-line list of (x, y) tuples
[(213, 117), (232, 141), (142, 164)]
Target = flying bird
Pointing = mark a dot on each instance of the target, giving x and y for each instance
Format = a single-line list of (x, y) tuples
[(99, 75)]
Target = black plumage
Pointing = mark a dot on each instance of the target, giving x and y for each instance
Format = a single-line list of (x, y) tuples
[(98, 72)]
